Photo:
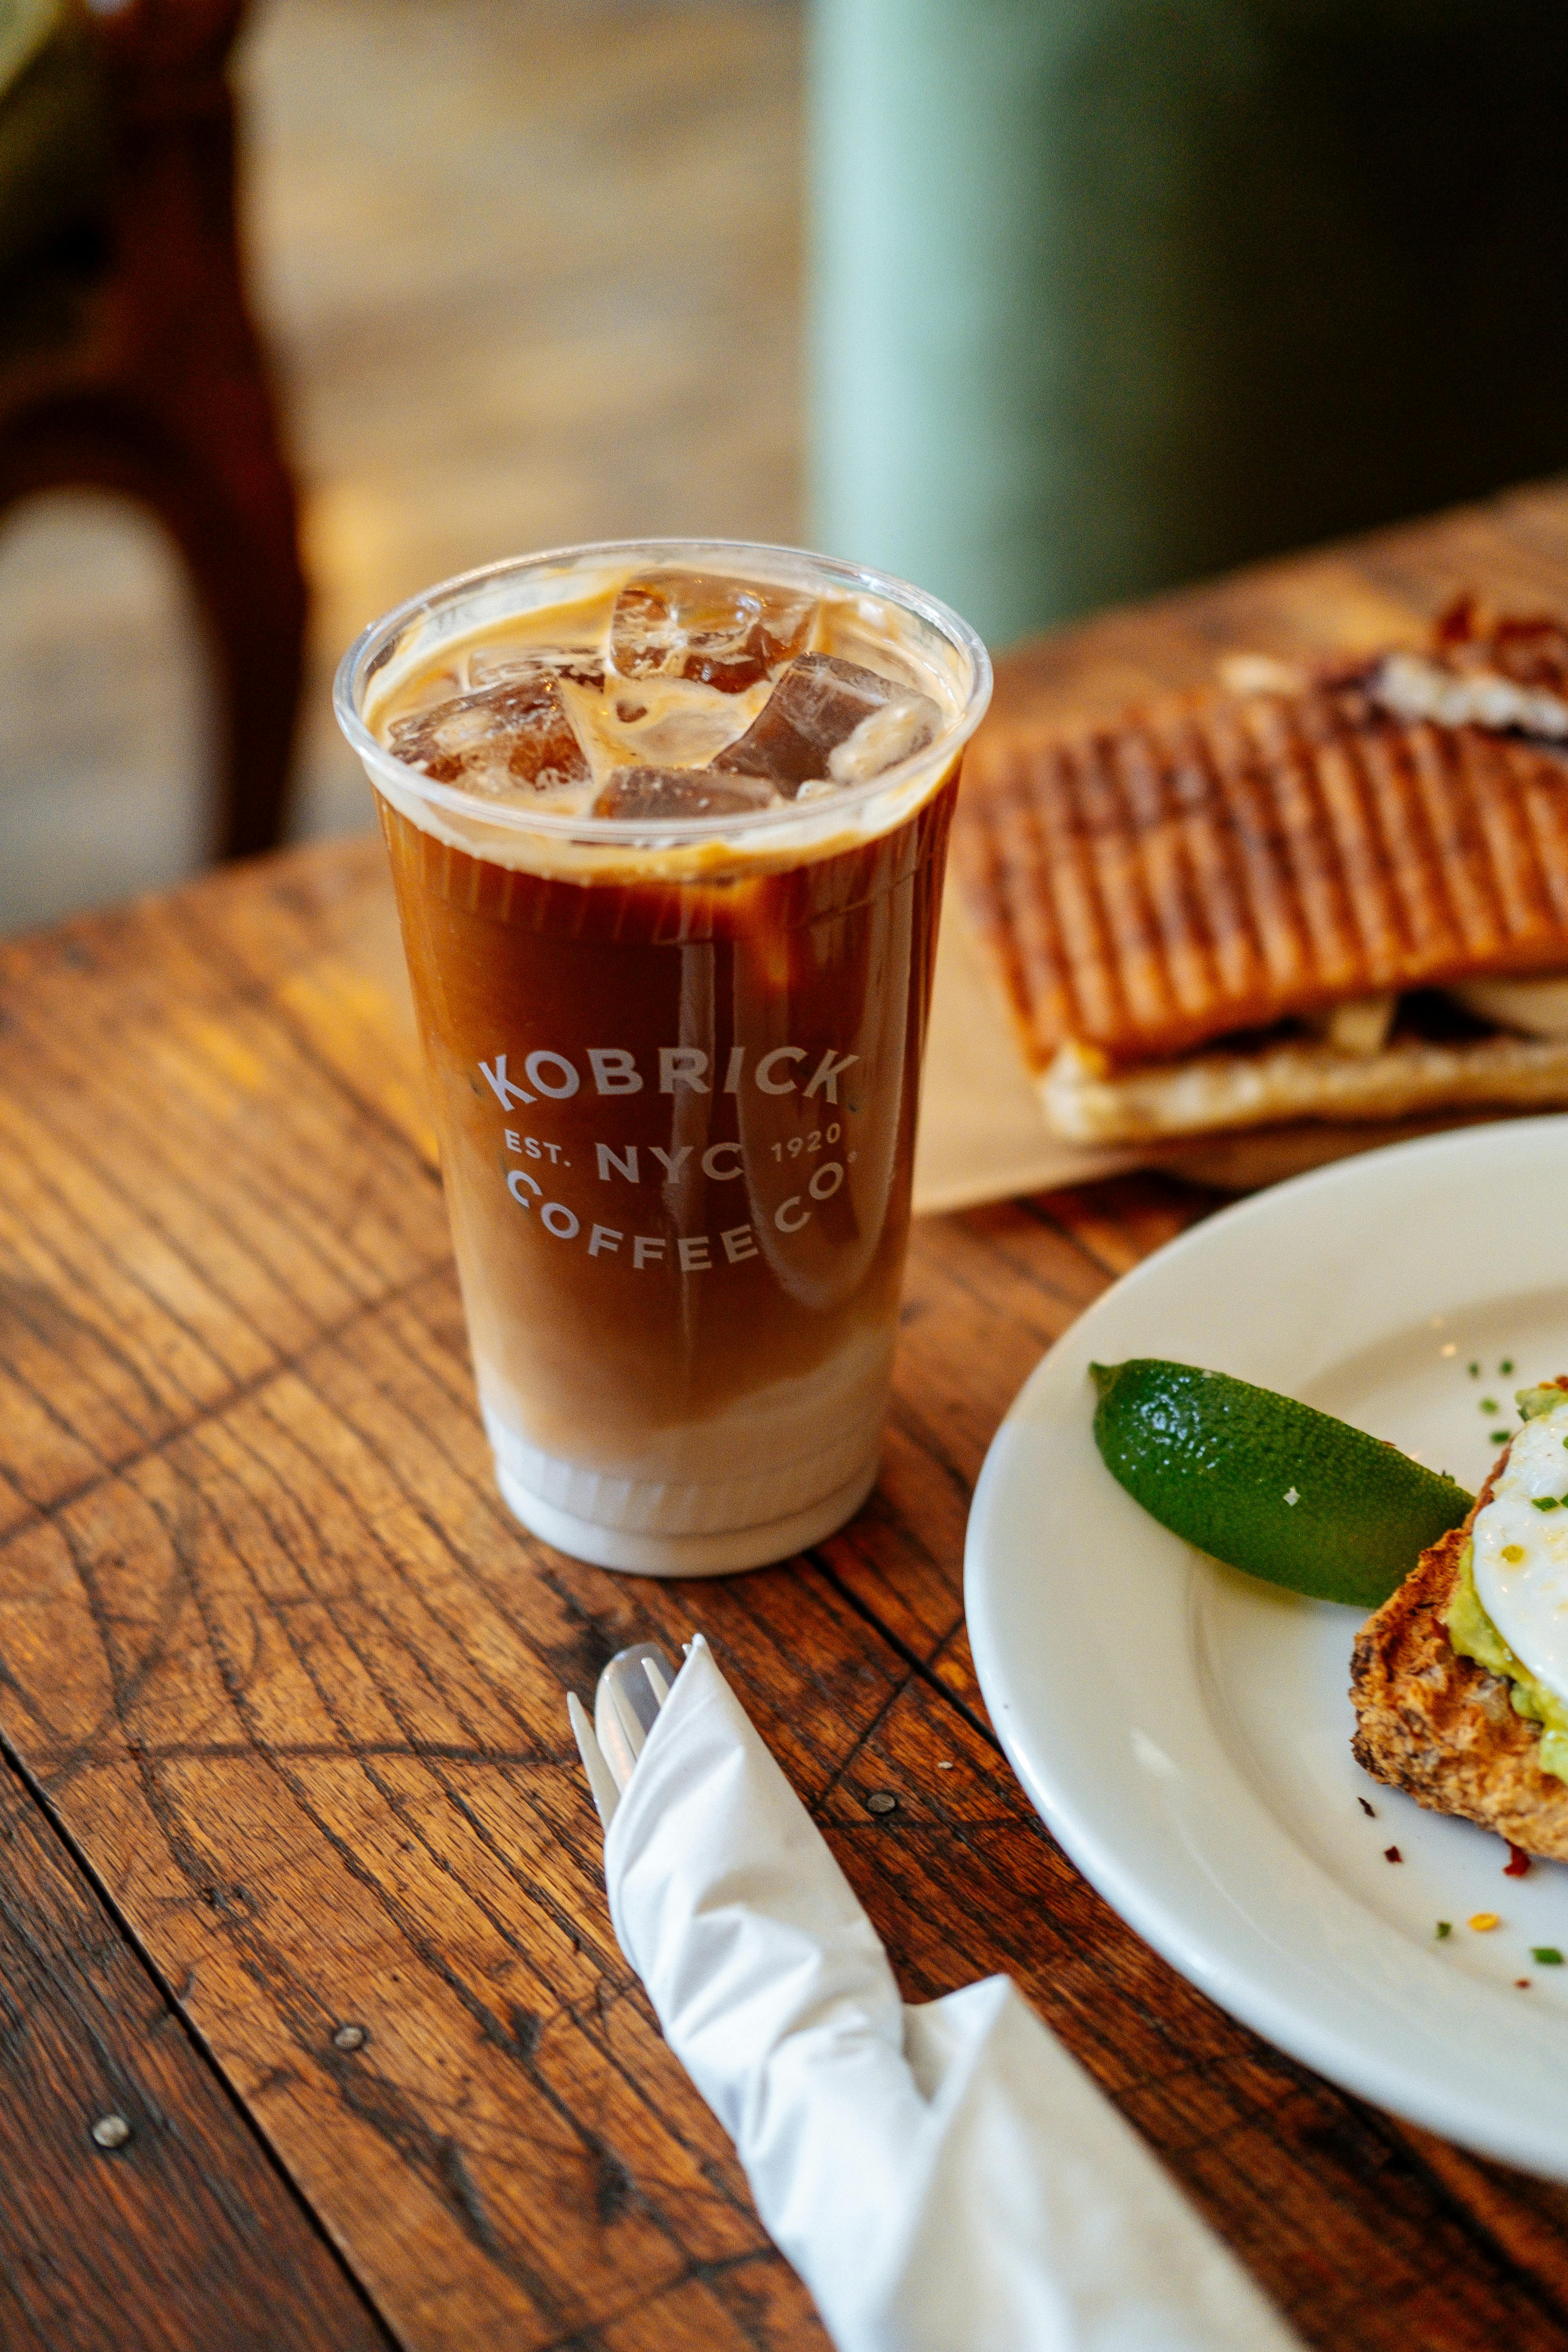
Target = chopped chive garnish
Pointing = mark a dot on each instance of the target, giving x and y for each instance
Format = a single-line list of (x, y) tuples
[(1445, 1927), (1506, 1366), (1502, 1436), (1547, 1956), (1475, 1372), (1490, 1405), (1544, 1502)]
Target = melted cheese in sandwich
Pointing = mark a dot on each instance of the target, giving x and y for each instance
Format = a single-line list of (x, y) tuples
[(1521, 1560)]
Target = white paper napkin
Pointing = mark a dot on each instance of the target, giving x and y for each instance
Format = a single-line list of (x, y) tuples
[(945, 2178)]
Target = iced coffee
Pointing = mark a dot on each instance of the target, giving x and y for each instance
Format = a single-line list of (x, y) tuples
[(668, 826)]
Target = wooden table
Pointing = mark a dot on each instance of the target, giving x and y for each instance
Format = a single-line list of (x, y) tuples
[(301, 1883)]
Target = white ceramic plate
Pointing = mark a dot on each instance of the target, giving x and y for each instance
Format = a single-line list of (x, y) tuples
[(1185, 1730)]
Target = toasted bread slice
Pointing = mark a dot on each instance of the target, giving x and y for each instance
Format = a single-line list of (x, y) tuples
[(1299, 1079), (1441, 1728), (1223, 863)]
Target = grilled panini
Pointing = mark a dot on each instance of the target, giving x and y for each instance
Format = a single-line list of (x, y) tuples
[(1217, 914)]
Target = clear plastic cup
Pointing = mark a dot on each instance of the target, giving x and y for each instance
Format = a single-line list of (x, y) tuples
[(675, 1067)]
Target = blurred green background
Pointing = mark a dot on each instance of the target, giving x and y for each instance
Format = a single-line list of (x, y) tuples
[(1109, 294)]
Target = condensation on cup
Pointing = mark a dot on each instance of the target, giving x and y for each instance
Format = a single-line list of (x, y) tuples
[(668, 822)]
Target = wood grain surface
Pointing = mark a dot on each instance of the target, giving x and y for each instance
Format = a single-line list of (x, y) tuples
[(140, 2207), (281, 1670)]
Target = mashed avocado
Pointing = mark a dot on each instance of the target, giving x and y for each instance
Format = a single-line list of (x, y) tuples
[(1474, 1635)]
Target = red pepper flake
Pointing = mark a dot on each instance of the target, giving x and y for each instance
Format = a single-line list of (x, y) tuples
[(1518, 1862), (1391, 1853), (1522, 1984), (1370, 1811)]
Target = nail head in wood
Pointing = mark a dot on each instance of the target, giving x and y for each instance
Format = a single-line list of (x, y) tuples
[(350, 2037), (111, 2131), (881, 1801)]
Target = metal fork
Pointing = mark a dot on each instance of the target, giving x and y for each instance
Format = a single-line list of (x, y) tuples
[(631, 1690)]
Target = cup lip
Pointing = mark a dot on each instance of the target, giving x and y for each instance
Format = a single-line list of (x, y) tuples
[(356, 666)]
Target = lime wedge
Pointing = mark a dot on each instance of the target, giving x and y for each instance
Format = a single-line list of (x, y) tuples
[(1268, 1484)]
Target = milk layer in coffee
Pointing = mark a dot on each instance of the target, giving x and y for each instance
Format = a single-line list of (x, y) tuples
[(667, 841)]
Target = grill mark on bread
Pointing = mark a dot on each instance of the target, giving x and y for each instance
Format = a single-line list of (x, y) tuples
[(1222, 862), (1081, 900), (1388, 933), (1444, 780), (1485, 764), (1546, 814), (1124, 887), (994, 851), (1264, 941), (1416, 870), (1380, 934), (1043, 921), (1218, 869), (1313, 854), (1510, 819), (1276, 927), (1147, 767)]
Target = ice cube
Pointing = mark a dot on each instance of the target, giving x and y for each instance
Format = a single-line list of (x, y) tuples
[(676, 737), (829, 720), (726, 634), (584, 665), (498, 742), (639, 795)]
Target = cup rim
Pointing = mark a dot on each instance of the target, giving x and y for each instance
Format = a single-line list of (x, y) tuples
[(377, 639)]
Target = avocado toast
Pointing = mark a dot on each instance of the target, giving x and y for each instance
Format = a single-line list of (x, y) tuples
[(1446, 1709)]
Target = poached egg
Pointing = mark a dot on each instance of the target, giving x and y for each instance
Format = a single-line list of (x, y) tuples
[(1521, 1550)]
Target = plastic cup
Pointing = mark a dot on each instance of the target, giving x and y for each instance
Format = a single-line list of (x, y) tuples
[(675, 1071)]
